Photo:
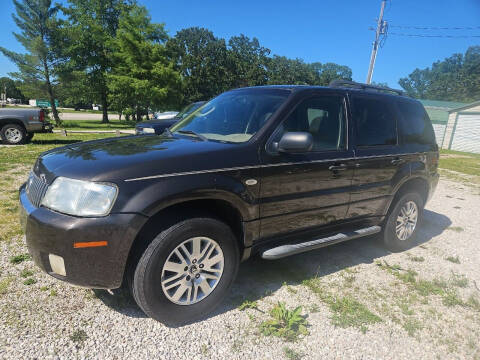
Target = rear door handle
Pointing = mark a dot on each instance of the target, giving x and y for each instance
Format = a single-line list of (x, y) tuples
[(339, 167)]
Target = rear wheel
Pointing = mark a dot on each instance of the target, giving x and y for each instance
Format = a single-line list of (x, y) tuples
[(186, 271), (402, 223), (13, 134)]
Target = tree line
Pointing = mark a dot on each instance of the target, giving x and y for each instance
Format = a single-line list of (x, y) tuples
[(457, 78), (110, 52)]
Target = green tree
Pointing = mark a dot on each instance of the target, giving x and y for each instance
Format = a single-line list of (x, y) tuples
[(91, 34), (38, 24), (202, 60), (326, 73), (12, 87), (284, 71), (456, 78), (143, 77), (248, 62)]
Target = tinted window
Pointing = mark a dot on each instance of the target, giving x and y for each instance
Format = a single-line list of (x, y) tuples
[(414, 126), (375, 122), (324, 118)]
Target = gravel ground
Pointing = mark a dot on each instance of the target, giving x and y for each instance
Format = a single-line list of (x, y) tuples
[(50, 319)]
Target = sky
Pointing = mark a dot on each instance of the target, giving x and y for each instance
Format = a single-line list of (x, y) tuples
[(316, 30)]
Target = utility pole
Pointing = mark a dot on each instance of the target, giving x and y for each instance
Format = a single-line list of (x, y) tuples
[(381, 26)]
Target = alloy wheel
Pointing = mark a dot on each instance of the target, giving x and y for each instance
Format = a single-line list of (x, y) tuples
[(406, 220), (192, 270)]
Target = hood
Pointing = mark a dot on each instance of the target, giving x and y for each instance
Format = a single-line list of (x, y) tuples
[(133, 157)]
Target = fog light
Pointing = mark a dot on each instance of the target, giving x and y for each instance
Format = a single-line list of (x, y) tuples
[(57, 264)]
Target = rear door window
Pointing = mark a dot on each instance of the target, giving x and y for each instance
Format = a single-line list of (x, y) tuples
[(414, 125), (375, 122)]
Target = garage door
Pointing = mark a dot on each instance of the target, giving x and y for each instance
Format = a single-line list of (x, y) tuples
[(439, 132), (467, 133)]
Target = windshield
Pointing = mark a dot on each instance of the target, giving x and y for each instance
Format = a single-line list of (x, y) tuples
[(233, 116), (187, 110)]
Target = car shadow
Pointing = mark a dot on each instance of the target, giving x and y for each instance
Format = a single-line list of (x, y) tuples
[(258, 278)]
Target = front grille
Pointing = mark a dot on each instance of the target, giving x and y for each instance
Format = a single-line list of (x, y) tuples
[(36, 189)]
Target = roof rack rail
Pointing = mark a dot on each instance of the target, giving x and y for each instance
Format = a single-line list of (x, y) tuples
[(356, 85)]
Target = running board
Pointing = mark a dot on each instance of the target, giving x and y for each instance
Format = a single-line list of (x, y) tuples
[(291, 249)]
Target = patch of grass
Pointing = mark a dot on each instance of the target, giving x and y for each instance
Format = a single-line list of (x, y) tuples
[(427, 287), (473, 303), (79, 336), (405, 308), (456, 228), (289, 288), (407, 276), (314, 308), (5, 283), (29, 281), (451, 298), (453, 259), (17, 259), (95, 125), (291, 354), (26, 273), (411, 326), (347, 312), (44, 288), (247, 304), (459, 280), (465, 163), (417, 258), (439, 287), (53, 292), (284, 323)]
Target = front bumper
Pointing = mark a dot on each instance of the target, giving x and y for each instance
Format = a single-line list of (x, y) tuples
[(50, 233)]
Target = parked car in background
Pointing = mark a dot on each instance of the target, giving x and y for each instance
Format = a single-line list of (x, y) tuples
[(270, 171), (165, 115), (158, 125), (18, 125)]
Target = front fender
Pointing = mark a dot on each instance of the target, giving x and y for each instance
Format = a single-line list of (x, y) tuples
[(151, 196)]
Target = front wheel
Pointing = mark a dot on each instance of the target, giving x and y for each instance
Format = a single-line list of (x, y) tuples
[(402, 223), (186, 271)]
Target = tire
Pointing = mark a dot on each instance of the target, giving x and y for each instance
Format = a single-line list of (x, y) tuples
[(13, 134), (400, 241), (29, 137), (151, 280)]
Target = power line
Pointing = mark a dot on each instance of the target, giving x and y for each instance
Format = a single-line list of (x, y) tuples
[(436, 27), (436, 36)]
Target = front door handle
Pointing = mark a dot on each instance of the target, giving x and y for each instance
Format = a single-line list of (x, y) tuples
[(397, 161), (339, 167)]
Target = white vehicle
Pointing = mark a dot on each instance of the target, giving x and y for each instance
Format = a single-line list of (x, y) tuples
[(165, 115)]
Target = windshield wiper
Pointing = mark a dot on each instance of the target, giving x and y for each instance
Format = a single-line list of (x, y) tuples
[(190, 132)]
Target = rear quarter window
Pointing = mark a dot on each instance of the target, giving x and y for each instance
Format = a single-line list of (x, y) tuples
[(414, 124)]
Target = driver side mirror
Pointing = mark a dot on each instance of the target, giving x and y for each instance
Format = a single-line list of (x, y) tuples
[(295, 142)]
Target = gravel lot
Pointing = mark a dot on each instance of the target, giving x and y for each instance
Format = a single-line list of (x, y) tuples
[(412, 317)]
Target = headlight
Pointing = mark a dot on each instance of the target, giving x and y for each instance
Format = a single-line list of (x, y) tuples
[(80, 198)]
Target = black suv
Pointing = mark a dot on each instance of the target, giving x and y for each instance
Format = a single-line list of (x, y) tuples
[(269, 171)]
